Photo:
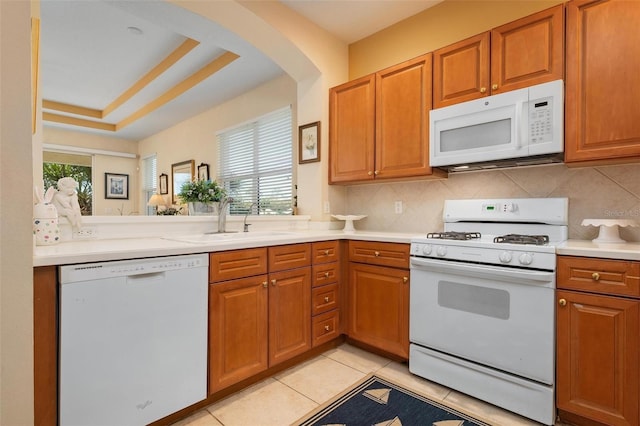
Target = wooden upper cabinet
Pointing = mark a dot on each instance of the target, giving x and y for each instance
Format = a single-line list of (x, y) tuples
[(522, 53), (528, 51), (403, 101), (379, 124), (461, 71), (602, 84), (352, 130)]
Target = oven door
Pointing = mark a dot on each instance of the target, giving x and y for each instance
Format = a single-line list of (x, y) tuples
[(499, 317)]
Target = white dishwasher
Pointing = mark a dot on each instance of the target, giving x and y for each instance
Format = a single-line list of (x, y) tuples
[(133, 339)]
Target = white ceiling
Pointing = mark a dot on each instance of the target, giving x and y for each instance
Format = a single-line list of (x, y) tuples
[(89, 56)]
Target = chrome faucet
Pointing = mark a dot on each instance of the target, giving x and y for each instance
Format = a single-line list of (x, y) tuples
[(245, 224), (223, 204)]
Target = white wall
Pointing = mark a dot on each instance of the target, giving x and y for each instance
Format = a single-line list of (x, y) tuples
[(16, 189)]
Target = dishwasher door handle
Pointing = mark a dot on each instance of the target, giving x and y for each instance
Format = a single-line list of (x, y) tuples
[(144, 278)]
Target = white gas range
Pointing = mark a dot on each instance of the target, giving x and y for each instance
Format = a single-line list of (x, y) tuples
[(482, 305)]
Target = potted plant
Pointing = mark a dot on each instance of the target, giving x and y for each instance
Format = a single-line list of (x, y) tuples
[(202, 196)]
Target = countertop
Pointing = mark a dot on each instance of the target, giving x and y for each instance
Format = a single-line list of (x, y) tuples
[(83, 251), (98, 250), (587, 248)]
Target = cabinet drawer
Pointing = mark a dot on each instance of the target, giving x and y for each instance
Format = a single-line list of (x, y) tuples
[(599, 275), (324, 274), (228, 265), (325, 298), (290, 256), (325, 251), (375, 253), (325, 327)]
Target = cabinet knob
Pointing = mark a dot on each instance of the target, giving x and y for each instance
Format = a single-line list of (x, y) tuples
[(405, 279), (326, 299), (595, 276), (264, 284), (494, 87), (483, 90), (376, 172), (326, 252), (327, 328), (273, 282), (370, 173), (376, 253), (326, 275), (562, 302)]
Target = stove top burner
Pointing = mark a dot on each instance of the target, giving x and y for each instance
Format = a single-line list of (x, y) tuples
[(537, 240), (454, 235)]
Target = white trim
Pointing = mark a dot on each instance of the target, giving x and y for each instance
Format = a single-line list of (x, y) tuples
[(68, 148)]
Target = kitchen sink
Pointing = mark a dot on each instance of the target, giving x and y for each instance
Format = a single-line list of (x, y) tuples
[(228, 236)]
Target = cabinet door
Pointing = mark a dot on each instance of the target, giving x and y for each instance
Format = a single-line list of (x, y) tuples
[(528, 51), (461, 71), (602, 84), (238, 324), (379, 307), (289, 314), (351, 130), (597, 357), (403, 101)]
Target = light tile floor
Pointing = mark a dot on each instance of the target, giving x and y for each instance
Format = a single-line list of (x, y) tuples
[(287, 396)]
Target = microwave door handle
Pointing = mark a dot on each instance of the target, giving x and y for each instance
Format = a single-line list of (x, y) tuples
[(520, 131)]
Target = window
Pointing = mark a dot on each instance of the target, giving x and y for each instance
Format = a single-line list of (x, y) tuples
[(255, 162), (57, 165), (149, 184)]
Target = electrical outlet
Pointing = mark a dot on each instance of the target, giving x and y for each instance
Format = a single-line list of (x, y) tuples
[(398, 207), (85, 233), (327, 207)]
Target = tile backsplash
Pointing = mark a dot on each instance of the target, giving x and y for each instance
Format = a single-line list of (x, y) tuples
[(607, 192)]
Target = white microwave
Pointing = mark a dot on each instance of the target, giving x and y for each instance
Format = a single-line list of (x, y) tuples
[(525, 124)]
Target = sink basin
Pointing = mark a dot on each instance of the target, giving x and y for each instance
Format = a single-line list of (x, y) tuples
[(229, 236)]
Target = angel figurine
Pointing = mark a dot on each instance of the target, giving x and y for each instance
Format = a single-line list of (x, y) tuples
[(66, 201)]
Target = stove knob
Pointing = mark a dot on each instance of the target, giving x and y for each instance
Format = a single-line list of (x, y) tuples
[(505, 257), (426, 250), (441, 251), (525, 259)]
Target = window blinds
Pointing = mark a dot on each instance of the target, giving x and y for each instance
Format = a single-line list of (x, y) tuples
[(255, 164)]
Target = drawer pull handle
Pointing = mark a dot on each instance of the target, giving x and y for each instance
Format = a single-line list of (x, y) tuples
[(595, 276), (264, 284), (327, 328), (326, 299), (376, 253), (562, 302), (405, 279), (326, 275), (273, 282), (326, 252)]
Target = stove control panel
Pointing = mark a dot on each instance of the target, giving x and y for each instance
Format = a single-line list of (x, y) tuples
[(519, 257), (508, 207)]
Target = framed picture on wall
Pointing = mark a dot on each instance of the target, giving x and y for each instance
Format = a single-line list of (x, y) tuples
[(309, 143), (203, 171), (116, 186), (164, 184)]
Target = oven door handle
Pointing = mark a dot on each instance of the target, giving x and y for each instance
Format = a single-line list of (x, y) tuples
[(512, 275)]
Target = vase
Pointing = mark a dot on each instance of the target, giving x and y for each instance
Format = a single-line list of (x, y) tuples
[(197, 208)]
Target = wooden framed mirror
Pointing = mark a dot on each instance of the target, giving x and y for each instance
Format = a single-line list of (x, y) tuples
[(180, 173)]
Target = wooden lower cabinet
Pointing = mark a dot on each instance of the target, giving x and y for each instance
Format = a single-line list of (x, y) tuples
[(259, 321), (379, 307), (597, 357), (289, 314), (238, 330)]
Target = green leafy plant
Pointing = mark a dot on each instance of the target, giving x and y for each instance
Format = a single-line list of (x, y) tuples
[(204, 191)]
